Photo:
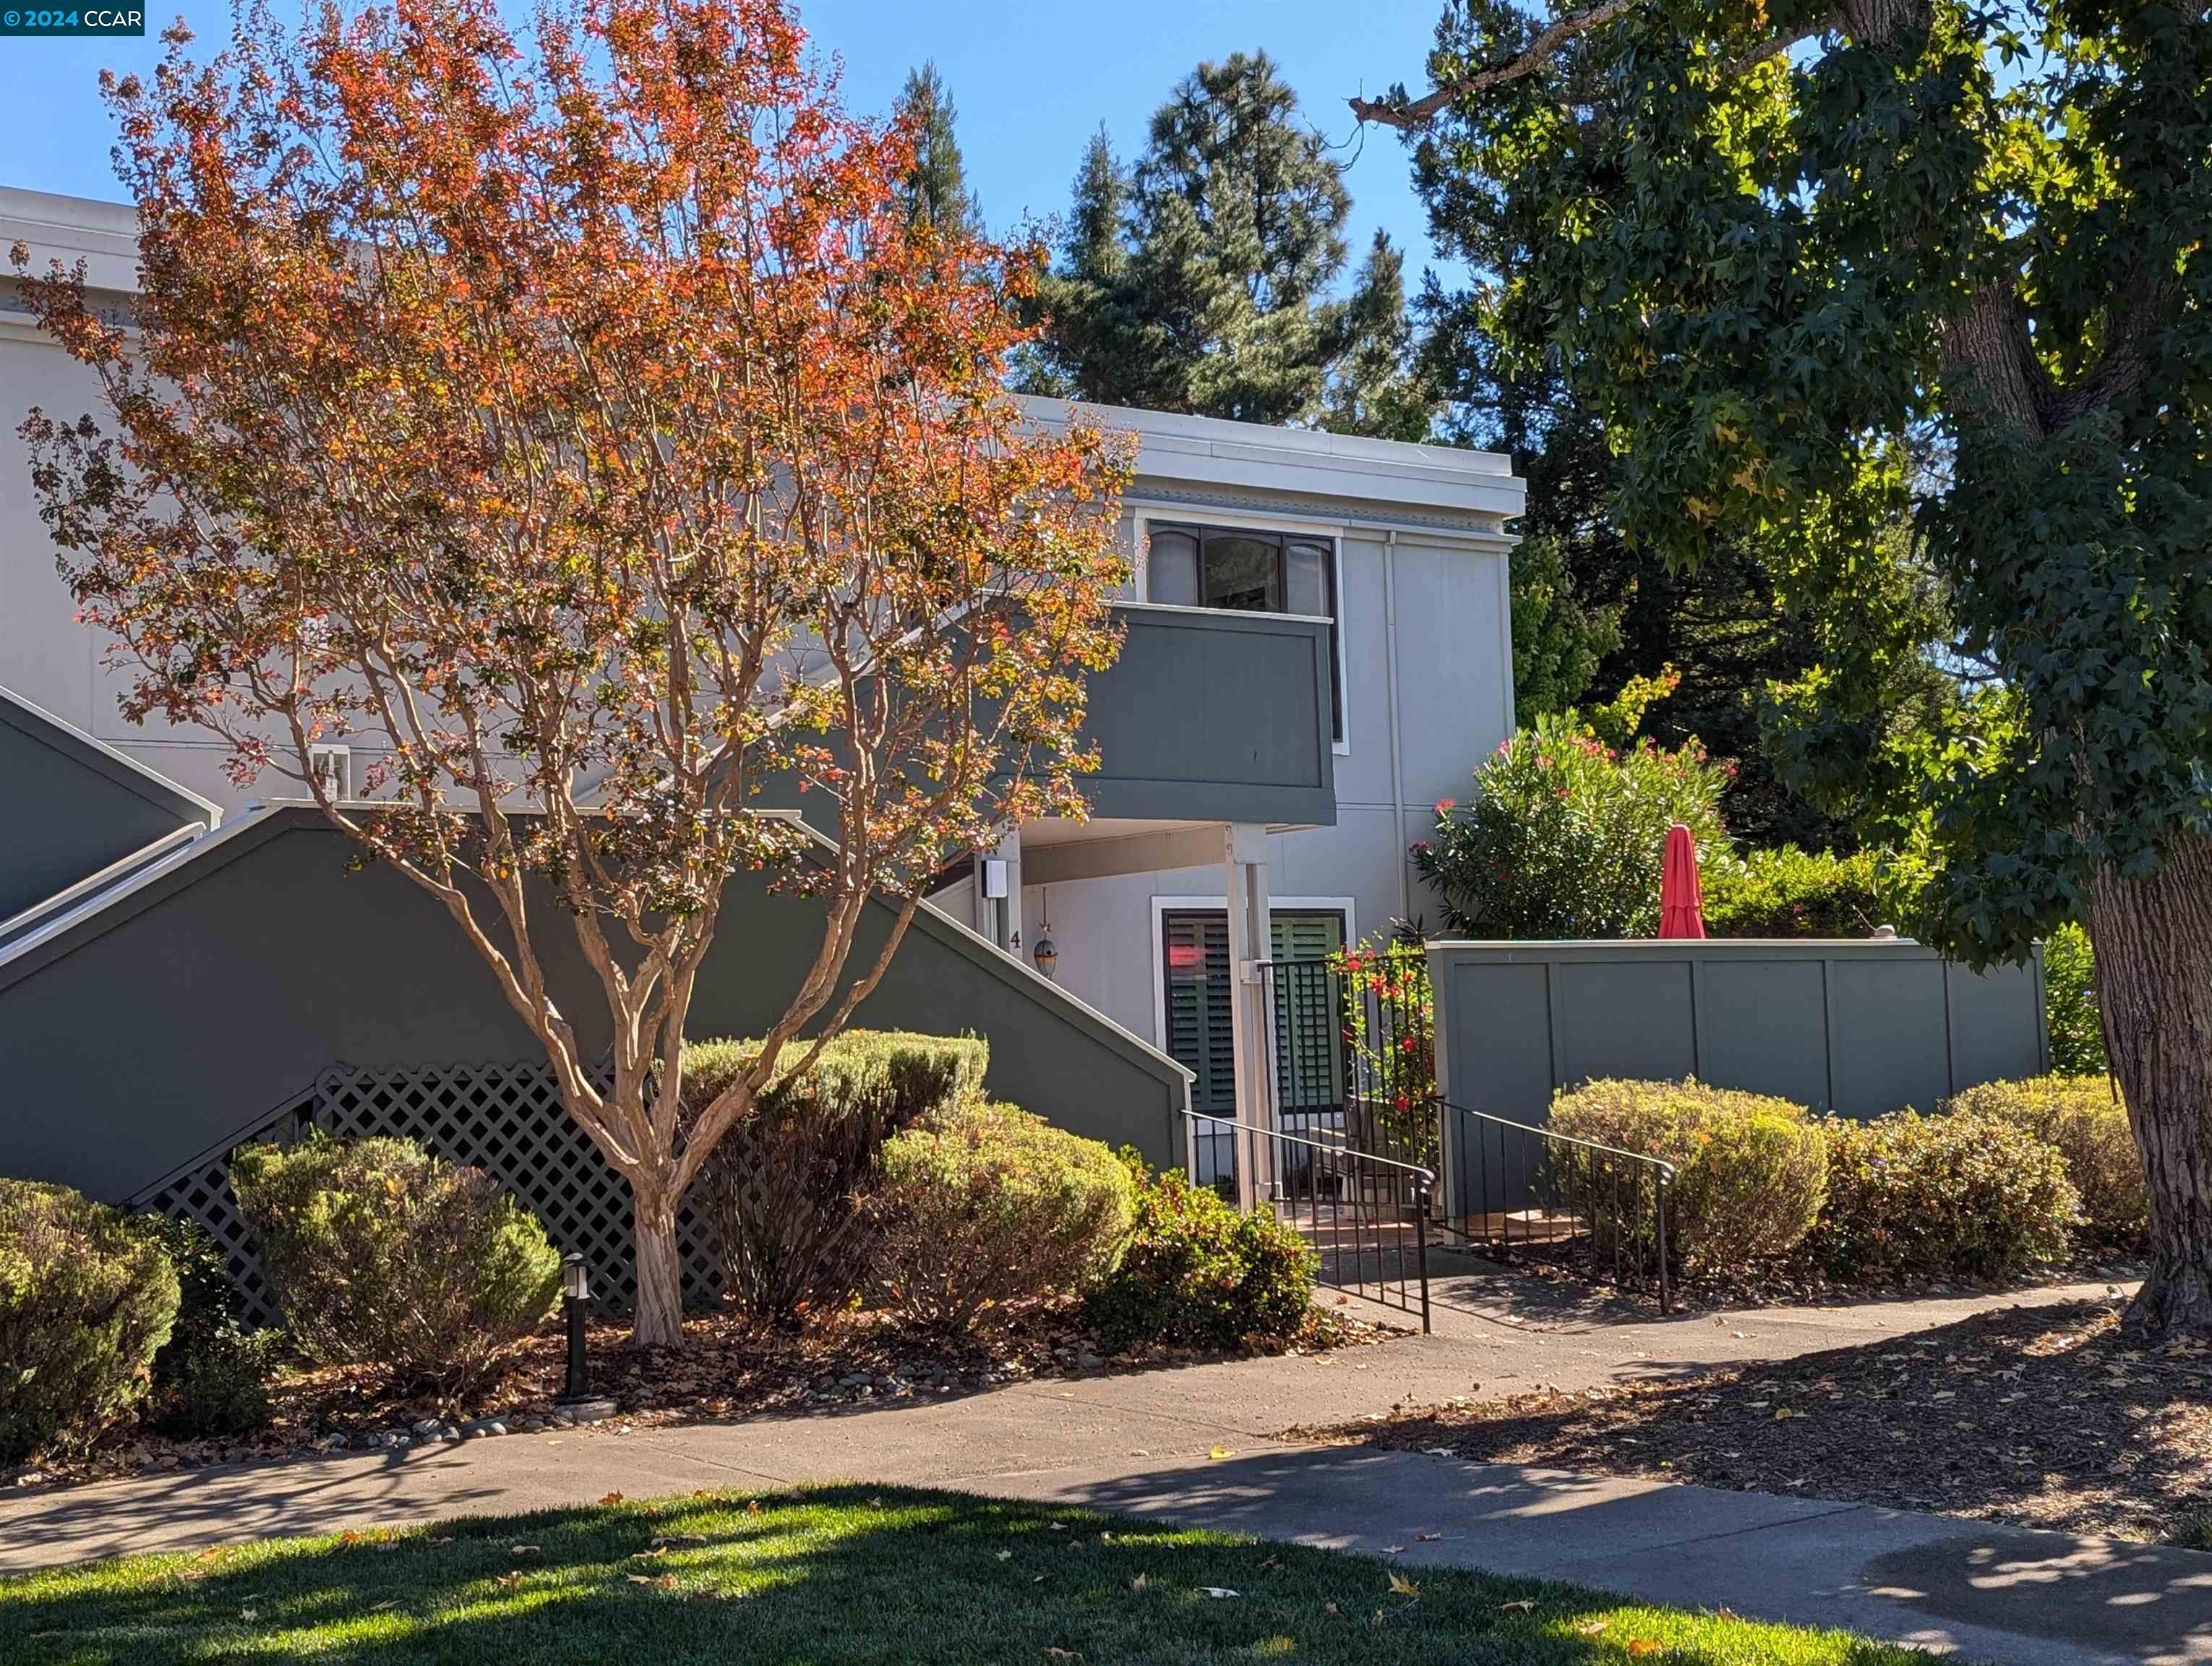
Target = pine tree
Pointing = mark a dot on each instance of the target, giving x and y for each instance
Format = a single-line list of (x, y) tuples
[(935, 190), (1204, 279)]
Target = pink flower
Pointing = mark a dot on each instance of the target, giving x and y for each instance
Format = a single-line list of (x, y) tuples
[(1445, 806)]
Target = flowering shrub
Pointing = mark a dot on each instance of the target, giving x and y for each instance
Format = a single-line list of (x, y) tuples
[(1566, 836), (1390, 1041)]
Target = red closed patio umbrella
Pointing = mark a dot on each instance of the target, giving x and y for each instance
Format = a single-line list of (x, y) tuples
[(1681, 903)]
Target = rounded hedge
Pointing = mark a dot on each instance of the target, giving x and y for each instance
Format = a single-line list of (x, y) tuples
[(87, 1298), (1750, 1171), (983, 1203), (1200, 1273), (2084, 1119), (380, 1254), (1959, 1196)]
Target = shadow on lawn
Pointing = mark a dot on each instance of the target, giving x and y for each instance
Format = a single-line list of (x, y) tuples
[(833, 1575)]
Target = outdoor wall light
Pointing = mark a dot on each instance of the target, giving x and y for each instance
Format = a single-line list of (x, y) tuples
[(1046, 954), (576, 1400)]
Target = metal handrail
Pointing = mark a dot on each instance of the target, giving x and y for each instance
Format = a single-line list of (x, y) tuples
[(1425, 1176), (1419, 1181), (1659, 1163), (121, 868), (1661, 1171)]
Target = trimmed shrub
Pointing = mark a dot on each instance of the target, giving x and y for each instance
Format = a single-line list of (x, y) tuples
[(87, 1298), (1749, 1171), (785, 1189), (212, 1377), (1200, 1273), (983, 1203), (1789, 892), (2082, 1119), (380, 1254), (2069, 999), (1959, 1196)]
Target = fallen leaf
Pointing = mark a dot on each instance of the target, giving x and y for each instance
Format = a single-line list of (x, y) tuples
[(1440, 1451), (1139, 1583), (1401, 1586), (611, 1499), (1328, 1608), (1061, 1654), (249, 1614), (1783, 1413), (1056, 1527), (523, 1550), (1592, 1628), (446, 1540), (1006, 1555), (1520, 1605), (1426, 1538), (1222, 1452), (1219, 1590), (752, 1506), (1642, 1645), (1392, 1550), (379, 1607)]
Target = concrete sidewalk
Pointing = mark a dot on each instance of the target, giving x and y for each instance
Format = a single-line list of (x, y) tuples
[(1142, 1443)]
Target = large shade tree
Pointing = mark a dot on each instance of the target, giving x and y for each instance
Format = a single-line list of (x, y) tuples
[(578, 420), (1826, 227)]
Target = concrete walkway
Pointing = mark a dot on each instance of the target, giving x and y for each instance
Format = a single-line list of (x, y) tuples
[(1143, 1444)]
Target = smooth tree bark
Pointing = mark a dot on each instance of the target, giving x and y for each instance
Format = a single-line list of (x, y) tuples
[(577, 425)]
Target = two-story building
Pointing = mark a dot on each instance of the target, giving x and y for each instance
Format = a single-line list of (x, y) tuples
[(1318, 648)]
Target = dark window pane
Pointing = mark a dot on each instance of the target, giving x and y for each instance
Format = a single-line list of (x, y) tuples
[(1245, 572)]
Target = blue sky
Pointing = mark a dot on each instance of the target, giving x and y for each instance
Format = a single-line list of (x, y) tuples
[(1032, 80)]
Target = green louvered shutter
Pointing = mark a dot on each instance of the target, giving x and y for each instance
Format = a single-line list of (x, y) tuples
[(1196, 956), (1309, 1062)]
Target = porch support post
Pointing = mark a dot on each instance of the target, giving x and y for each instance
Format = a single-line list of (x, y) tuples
[(1245, 857), (999, 919)]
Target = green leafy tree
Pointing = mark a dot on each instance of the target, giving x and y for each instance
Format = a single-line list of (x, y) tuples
[(1205, 279), (1810, 231), (934, 187)]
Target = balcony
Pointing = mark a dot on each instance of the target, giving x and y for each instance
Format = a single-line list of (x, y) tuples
[(1211, 716)]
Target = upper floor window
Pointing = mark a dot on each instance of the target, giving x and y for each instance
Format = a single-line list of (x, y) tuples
[(1255, 572)]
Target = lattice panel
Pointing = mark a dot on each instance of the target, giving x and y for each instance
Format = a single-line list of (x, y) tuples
[(507, 1120), (202, 1193)]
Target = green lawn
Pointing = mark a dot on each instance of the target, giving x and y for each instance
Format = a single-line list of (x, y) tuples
[(838, 1574)]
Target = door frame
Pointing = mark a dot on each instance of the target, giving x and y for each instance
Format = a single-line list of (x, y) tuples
[(1219, 903)]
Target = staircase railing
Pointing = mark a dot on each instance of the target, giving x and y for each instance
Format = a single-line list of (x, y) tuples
[(1366, 1216), (1524, 1192)]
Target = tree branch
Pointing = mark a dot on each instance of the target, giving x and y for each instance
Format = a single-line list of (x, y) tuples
[(1531, 58)]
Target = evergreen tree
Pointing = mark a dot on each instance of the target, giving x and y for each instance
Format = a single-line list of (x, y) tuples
[(935, 190), (1204, 278)]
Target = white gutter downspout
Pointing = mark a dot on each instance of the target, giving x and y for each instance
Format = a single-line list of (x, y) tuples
[(1397, 758)]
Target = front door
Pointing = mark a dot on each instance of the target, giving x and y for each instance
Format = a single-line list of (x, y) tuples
[(1195, 987)]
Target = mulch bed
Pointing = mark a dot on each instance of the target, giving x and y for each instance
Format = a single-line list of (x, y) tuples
[(730, 1368), (2042, 1416)]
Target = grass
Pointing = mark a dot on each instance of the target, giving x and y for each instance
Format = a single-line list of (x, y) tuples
[(839, 1574)]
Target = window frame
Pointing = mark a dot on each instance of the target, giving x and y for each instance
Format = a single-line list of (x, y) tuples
[(1284, 531)]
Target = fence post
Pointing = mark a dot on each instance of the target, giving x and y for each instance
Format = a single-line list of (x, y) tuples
[(1659, 1196), (1421, 1245)]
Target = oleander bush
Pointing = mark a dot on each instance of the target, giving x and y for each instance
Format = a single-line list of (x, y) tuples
[(87, 1298), (1965, 1196), (982, 1204), (1199, 1271), (379, 1254), (1750, 1171), (212, 1376), (2085, 1119), (785, 1189)]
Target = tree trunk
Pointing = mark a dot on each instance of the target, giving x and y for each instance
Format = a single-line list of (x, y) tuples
[(2153, 937), (658, 1321)]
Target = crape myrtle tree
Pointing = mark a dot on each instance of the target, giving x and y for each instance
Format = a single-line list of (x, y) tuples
[(577, 418), (1820, 237)]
